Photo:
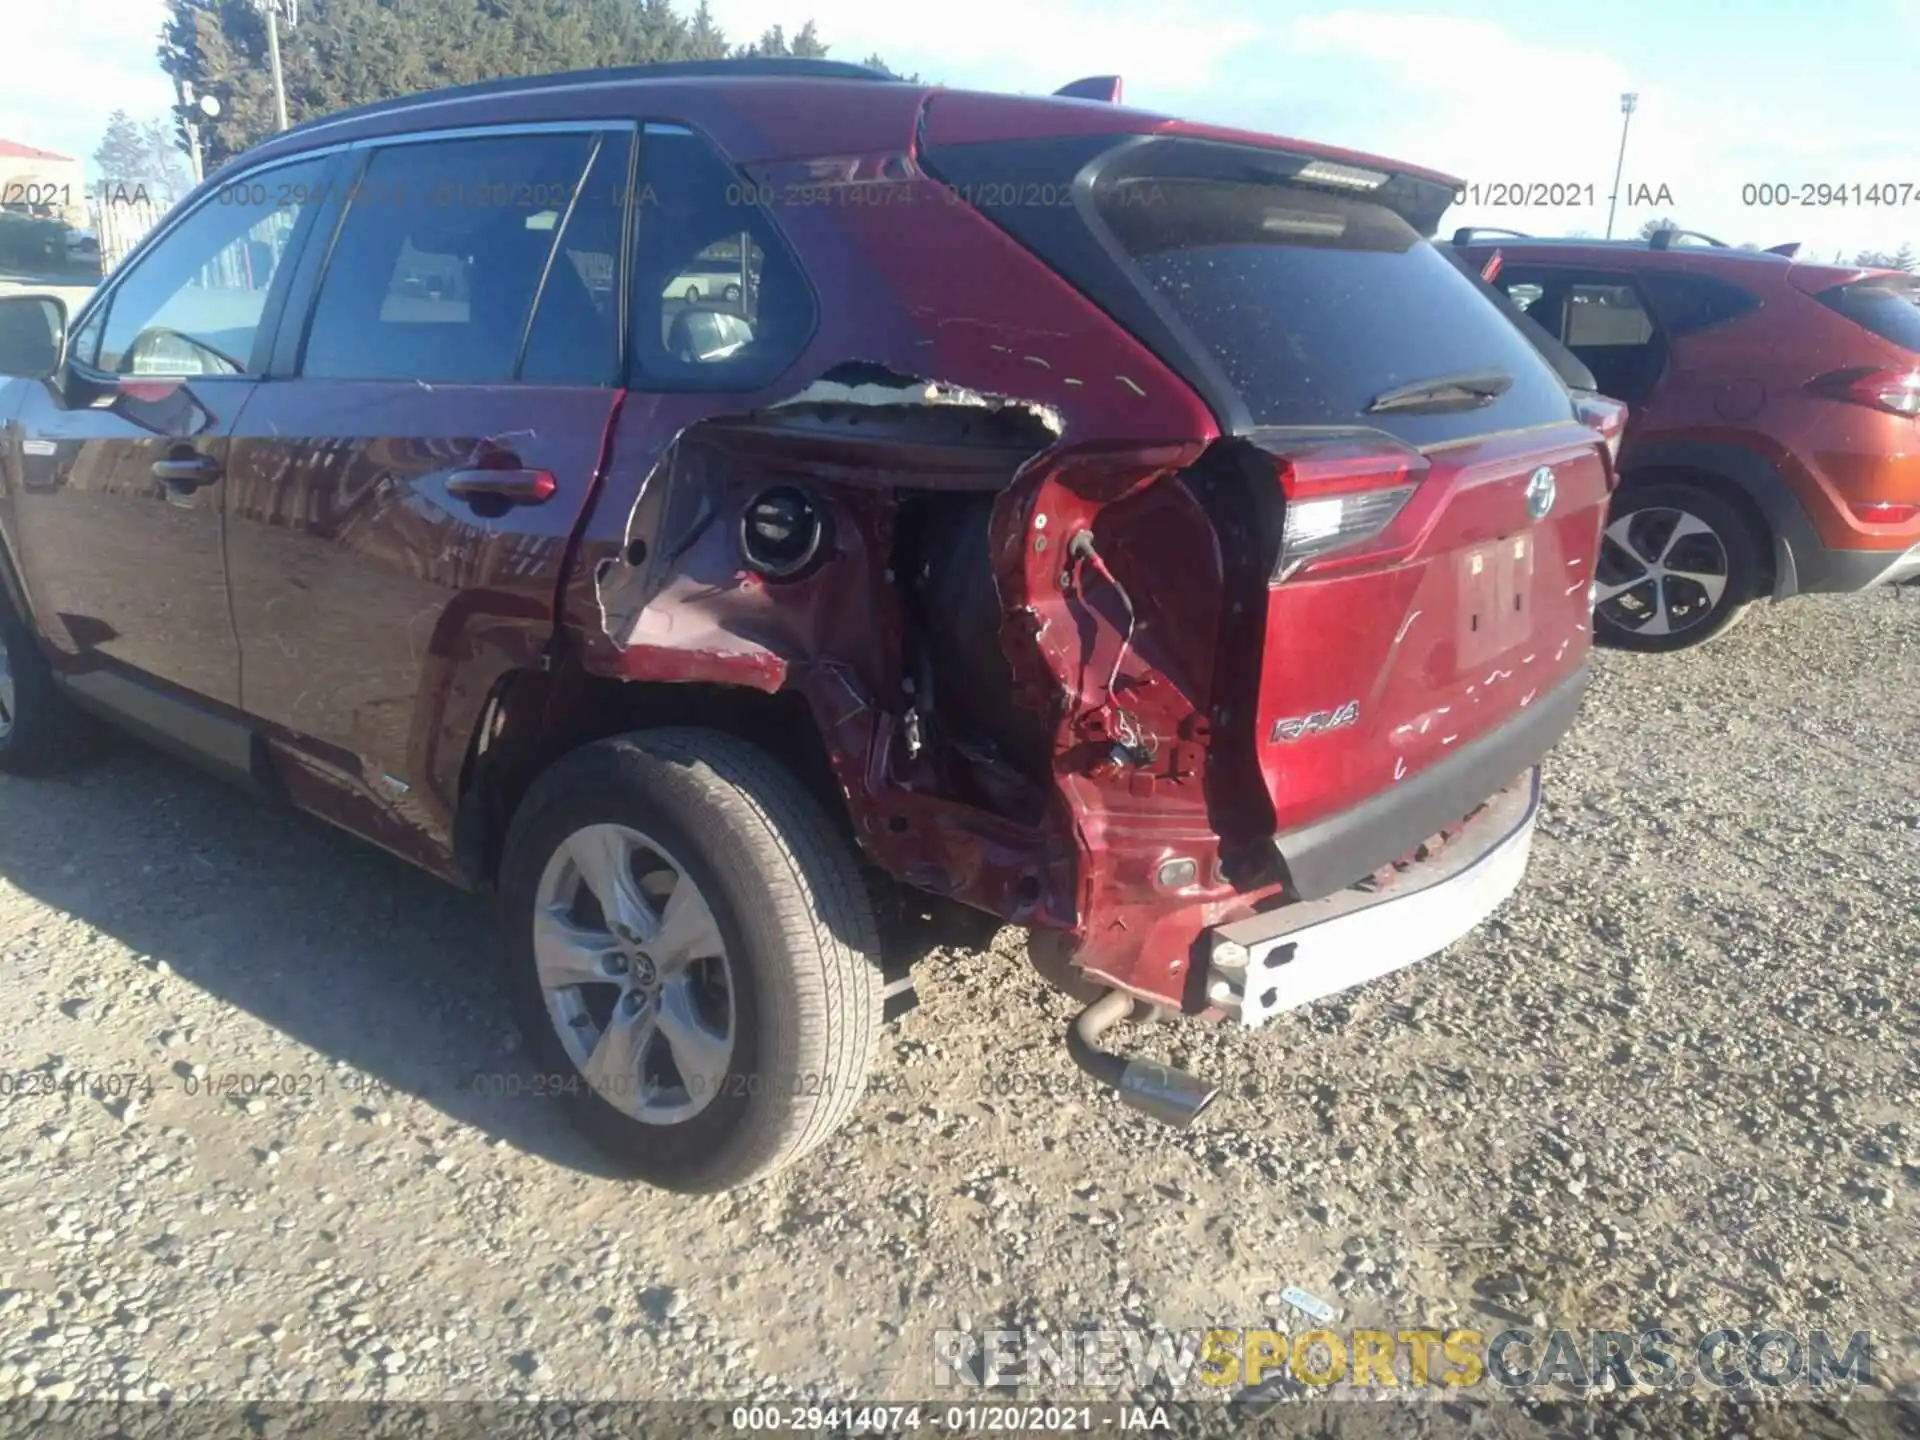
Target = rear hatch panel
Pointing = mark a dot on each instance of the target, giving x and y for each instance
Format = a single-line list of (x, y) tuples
[(1293, 294)]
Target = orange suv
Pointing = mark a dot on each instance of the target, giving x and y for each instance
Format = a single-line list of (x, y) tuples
[(1773, 447)]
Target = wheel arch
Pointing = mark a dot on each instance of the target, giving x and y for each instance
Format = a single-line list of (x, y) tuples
[(533, 717), (1750, 481)]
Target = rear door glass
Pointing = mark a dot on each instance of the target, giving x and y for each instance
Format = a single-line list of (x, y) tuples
[(1313, 304), (439, 257), (1606, 315)]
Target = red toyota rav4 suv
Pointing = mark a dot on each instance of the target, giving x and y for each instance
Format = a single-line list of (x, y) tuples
[(1128, 529), (1773, 447)]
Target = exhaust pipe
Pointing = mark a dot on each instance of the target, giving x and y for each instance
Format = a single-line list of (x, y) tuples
[(1173, 1097)]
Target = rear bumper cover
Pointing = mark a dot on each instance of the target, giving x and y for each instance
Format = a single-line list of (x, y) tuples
[(1331, 854), (1288, 957), (1849, 570)]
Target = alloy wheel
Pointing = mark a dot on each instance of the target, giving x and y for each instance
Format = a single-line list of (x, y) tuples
[(634, 972), (1662, 571)]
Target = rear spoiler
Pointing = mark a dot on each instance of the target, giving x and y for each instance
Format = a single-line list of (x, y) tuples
[(1105, 88), (1789, 250)]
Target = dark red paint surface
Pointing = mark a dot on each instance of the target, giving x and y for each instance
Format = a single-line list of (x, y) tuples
[(334, 594)]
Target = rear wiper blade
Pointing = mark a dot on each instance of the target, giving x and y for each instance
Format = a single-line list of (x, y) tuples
[(1446, 392)]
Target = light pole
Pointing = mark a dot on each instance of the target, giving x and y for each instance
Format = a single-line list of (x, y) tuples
[(192, 107), (272, 8), (1627, 103)]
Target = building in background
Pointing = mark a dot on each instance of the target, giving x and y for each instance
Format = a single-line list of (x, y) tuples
[(42, 183)]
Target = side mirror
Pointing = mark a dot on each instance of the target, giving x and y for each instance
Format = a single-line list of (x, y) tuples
[(33, 336)]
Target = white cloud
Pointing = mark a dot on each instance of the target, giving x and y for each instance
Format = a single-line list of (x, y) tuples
[(69, 65), (1489, 101), (1474, 98)]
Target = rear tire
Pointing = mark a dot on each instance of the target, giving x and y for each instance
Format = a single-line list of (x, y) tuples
[(759, 1015), (1678, 566), (40, 732)]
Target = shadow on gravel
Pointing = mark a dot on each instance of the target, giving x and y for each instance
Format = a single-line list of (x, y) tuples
[(345, 949)]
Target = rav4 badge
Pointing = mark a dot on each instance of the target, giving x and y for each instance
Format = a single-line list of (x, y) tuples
[(1292, 728)]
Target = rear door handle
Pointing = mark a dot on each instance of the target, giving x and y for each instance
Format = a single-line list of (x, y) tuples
[(512, 487), (187, 472)]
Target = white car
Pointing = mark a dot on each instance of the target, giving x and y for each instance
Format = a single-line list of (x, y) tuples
[(696, 285)]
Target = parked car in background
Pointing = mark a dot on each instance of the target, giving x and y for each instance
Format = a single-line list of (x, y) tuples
[(31, 243), (695, 288), (1773, 447), (1197, 575)]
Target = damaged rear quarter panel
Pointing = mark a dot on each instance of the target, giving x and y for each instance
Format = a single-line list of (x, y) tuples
[(912, 283)]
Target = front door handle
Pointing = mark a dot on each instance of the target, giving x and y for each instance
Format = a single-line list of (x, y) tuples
[(501, 487), (187, 473)]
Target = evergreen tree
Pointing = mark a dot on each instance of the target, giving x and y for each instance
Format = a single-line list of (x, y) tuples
[(354, 52), (122, 157), (136, 156), (1901, 259)]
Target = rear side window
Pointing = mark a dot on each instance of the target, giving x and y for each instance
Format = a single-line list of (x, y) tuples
[(718, 301), (1889, 306), (1314, 304), (1686, 303), (439, 257)]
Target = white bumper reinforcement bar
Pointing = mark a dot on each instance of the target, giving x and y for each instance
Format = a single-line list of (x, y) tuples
[(1288, 957)]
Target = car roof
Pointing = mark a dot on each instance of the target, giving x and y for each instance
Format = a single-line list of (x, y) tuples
[(721, 71), (755, 108), (763, 110), (1762, 267), (1564, 246)]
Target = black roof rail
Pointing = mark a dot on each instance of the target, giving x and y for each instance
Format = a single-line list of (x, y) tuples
[(1663, 239), (1464, 235), (775, 66)]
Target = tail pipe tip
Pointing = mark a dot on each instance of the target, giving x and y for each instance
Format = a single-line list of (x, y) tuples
[(1173, 1097)]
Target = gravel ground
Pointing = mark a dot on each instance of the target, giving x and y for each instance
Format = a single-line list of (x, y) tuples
[(1674, 1081)]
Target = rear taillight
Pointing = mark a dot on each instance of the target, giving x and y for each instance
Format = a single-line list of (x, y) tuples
[(1342, 492), (1884, 512), (1894, 390), (1609, 417)]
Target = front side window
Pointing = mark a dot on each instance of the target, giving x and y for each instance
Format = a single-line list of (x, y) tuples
[(440, 256), (718, 301), (192, 304)]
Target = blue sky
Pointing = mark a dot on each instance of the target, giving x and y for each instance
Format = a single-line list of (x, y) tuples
[(1492, 90)]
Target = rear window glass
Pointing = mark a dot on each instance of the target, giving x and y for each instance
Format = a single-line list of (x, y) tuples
[(1313, 304), (1890, 308)]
